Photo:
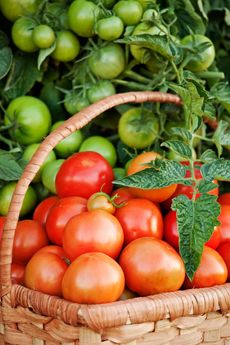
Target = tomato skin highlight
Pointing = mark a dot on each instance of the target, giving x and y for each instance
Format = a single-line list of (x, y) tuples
[(212, 271), (63, 210), (151, 266), (83, 174), (44, 272), (94, 231), (140, 218), (93, 278), (139, 163)]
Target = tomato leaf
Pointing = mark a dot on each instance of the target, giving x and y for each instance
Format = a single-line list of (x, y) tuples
[(208, 156), (221, 91), (165, 173), (10, 169), (4, 40), (181, 132), (6, 58), (218, 169), (196, 221), (178, 147), (205, 186), (44, 53), (221, 135)]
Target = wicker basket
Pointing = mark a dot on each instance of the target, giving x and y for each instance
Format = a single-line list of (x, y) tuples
[(197, 316)]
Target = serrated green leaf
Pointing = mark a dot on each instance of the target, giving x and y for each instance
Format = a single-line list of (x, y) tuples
[(178, 147), (221, 91), (205, 186), (221, 136), (10, 170), (209, 110), (168, 173), (218, 169), (44, 53), (6, 58), (157, 43), (181, 132), (208, 156), (196, 123), (196, 221)]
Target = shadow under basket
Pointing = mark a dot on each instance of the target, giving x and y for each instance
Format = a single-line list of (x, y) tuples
[(189, 317)]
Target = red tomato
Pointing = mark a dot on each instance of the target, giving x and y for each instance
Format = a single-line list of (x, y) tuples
[(212, 271), (224, 199), (188, 190), (151, 266), (59, 251), (93, 278), (17, 273), (224, 219), (30, 236), (83, 174), (224, 251), (94, 231), (139, 163), (2, 222), (41, 211), (123, 194), (44, 272), (140, 218), (60, 214), (172, 237)]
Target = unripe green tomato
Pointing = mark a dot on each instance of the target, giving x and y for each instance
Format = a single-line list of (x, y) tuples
[(130, 11), (73, 102), (29, 152), (68, 145), (41, 191), (43, 36), (22, 34), (110, 28), (6, 194), (202, 60), (100, 145), (67, 46), (49, 174), (119, 173), (13, 9), (100, 90)]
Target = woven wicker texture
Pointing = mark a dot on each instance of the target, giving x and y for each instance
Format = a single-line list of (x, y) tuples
[(198, 316)]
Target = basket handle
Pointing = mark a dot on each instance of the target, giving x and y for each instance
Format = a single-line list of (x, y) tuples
[(74, 123)]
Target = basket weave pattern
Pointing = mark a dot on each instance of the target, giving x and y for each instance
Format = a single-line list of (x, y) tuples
[(197, 316)]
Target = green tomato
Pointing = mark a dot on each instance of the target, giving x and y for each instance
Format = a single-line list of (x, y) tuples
[(70, 144), (43, 36), (13, 9), (100, 90), (22, 34), (49, 174), (67, 46), (82, 15), (108, 61), (199, 61), (74, 102), (100, 145), (110, 28), (30, 119), (41, 191), (6, 194), (28, 154), (130, 11), (119, 173), (138, 128)]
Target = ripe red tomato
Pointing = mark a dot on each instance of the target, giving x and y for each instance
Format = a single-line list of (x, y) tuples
[(83, 174), (139, 163), (188, 190), (17, 273), (59, 251), (224, 199), (224, 219), (2, 222), (100, 201), (212, 271), (123, 194), (93, 278), (42, 209), (224, 251), (94, 231), (172, 237), (151, 266), (30, 236), (60, 214), (140, 218), (44, 273)]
